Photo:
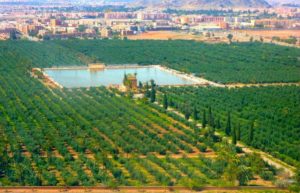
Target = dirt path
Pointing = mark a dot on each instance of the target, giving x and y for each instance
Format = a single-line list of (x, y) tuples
[(164, 35), (240, 85), (288, 169), (44, 78), (265, 156), (270, 159), (146, 189)]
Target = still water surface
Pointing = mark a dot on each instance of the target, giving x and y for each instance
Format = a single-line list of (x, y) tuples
[(75, 78)]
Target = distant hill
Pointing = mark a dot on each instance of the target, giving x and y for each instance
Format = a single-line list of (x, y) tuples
[(280, 2), (173, 4), (201, 4)]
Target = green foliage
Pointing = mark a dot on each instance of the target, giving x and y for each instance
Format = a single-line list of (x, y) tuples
[(204, 121), (237, 62), (230, 36), (290, 40), (295, 187), (228, 125), (267, 175), (195, 114), (242, 62), (211, 121), (85, 137), (4, 158), (251, 133), (238, 132), (275, 110), (236, 169), (234, 138), (152, 95), (82, 28), (13, 35), (165, 102), (92, 136)]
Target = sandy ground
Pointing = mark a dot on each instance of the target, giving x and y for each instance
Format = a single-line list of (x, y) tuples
[(221, 36), (271, 33), (289, 170), (149, 190), (265, 156), (164, 35), (239, 85)]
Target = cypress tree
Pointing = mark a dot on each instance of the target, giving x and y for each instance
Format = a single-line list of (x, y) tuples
[(153, 92), (230, 36), (195, 112), (152, 95), (197, 135), (171, 103), (209, 114), (13, 35), (234, 136), (187, 113), (125, 79), (210, 118), (204, 122), (165, 102), (251, 134), (238, 132), (140, 85), (228, 125), (147, 93), (152, 84)]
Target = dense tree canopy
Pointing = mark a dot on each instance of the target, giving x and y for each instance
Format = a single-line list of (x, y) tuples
[(238, 62), (93, 136), (266, 117)]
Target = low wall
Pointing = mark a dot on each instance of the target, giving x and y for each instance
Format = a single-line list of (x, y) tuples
[(48, 77)]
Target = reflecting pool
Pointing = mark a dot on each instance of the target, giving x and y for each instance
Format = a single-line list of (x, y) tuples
[(75, 78)]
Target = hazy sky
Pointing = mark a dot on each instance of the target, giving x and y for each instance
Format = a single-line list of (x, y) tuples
[(270, 1), (285, 1)]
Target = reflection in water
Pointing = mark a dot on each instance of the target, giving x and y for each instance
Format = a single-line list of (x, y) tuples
[(74, 78)]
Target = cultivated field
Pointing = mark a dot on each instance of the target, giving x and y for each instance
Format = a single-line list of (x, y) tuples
[(245, 106), (101, 137), (140, 190), (222, 63)]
